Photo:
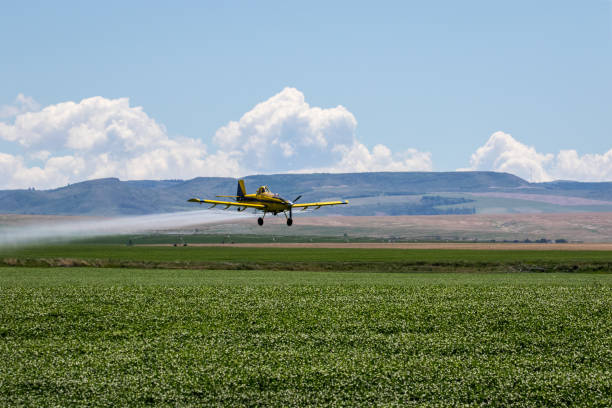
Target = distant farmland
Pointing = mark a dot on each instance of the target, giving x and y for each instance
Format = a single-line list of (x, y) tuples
[(575, 227), (585, 227)]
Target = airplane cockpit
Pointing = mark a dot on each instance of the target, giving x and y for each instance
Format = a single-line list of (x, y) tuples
[(264, 190)]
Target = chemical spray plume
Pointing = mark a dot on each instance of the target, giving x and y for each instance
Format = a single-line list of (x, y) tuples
[(45, 232)]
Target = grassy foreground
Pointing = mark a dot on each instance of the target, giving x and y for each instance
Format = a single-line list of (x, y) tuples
[(84, 336)]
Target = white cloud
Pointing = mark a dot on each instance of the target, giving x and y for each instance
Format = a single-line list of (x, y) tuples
[(56, 171), (589, 167), (504, 153), (100, 137), (285, 134), (21, 104), (41, 155), (358, 158)]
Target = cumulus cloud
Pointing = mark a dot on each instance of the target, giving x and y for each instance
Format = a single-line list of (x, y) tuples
[(100, 137), (284, 133), (504, 153), (19, 175), (21, 104), (358, 158), (569, 165)]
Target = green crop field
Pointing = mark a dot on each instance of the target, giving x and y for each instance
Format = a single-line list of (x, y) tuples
[(382, 260), (140, 337)]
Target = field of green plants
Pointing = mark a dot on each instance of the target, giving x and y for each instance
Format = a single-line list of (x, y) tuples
[(308, 259), (138, 337)]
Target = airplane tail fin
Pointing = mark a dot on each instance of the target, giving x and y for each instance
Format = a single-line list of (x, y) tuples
[(241, 190)]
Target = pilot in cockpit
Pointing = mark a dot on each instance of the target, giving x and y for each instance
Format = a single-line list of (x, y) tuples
[(264, 190)]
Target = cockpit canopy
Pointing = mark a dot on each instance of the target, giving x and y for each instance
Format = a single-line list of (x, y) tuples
[(266, 191)]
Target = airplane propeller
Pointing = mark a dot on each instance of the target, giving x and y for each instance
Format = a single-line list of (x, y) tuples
[(290, 220)]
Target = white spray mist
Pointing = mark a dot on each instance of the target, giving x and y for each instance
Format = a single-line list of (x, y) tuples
[(65, 230)]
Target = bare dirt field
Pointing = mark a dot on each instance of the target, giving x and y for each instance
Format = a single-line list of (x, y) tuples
[(477, 222), (573, 227)]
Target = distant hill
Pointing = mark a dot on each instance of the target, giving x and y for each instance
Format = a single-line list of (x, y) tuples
[(390, 193)]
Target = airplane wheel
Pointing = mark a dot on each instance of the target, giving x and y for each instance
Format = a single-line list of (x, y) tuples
[(289, 221), (260, 221)]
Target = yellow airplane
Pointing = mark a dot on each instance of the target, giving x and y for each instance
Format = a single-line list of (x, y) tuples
[(266, 201)]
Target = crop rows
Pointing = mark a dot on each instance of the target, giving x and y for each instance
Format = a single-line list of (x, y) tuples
[(307, 259), (300, 339)]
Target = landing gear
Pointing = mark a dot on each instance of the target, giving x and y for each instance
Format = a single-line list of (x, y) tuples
[(260, 221), (289, 221)]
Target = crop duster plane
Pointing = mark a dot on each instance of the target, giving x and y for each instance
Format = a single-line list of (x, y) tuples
[(266, 201)]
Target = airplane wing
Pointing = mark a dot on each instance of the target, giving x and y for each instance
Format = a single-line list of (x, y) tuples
[(227, 204), (319, 205)]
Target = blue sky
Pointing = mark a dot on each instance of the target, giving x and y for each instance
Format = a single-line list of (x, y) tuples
[(437, 78)]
